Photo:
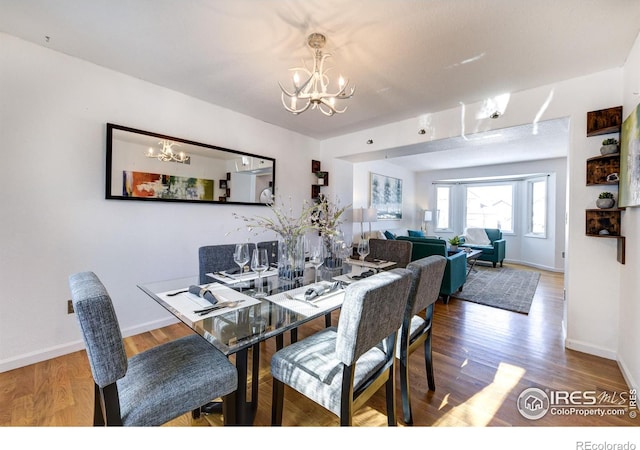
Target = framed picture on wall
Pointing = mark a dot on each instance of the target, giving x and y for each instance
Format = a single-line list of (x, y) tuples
[(386, 196), (629, 187)]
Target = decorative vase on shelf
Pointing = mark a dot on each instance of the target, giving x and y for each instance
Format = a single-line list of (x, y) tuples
[(605, 203), (291, 261), (609, 149)]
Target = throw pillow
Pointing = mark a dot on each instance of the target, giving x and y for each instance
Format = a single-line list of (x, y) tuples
[(476, 236), (416, 233), (389, 235)]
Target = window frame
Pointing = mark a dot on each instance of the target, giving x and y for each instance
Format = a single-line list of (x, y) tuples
[(529, 210), (449, 187), (514, 187)]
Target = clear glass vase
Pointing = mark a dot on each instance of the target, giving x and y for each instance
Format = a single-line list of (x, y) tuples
[(291, 262), (334, 256)]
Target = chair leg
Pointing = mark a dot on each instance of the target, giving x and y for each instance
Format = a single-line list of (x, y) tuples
[(98, 414), (327, 320), (111, 405), (229, 410), (391, 397), (277, 403), (494, 265), (428, 359), (346, 396), (404, 387)]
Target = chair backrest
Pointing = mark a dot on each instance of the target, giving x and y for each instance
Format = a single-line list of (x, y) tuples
[(426, 278), (423, 247), (372, 310), (100, 328), (391, 250), (494, 234), (215, 258), (272, 250)]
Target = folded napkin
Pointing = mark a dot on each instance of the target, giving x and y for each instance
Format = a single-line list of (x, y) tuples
[(319, 290), (366, 274), (204, 293)]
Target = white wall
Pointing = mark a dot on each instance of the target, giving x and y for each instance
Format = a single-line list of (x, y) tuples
[(629, 331), (55, 221), (593, 308), (537, 252)]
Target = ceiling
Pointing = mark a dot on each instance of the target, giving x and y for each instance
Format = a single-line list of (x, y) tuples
[(405, 57)]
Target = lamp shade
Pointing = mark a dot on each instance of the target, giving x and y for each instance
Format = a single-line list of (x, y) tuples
[(357, 214), (428, 216), (370, 215)]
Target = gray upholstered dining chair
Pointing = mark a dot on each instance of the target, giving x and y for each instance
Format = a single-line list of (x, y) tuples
[(390, 250), (216, 258), (426, 277), (341, 368), (154, 386)]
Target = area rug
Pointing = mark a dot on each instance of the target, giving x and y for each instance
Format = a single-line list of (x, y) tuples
[(500, 287)]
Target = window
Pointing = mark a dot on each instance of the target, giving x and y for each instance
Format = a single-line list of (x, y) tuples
[(490, 206), (443, 206), (537, 207)]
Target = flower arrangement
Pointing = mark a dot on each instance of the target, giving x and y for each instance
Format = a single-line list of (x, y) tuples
[(605, 195), (327, 217), (285, 223)]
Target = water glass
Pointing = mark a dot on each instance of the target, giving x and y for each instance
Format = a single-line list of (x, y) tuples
[(363, 248), (259, 264)]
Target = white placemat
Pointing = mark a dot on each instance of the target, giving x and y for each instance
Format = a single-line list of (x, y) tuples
[(186, 303), (307, 308), (237, 278)]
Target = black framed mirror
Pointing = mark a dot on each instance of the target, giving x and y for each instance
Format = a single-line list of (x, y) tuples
[(147, 166)]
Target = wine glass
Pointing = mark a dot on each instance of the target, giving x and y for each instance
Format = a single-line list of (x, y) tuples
[(363, 249), (260, 263), (241, 256), (316, 258)]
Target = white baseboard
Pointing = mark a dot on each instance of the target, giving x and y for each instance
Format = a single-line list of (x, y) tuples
[(535, 266), (70, 347), (628, 377), (590, 349)]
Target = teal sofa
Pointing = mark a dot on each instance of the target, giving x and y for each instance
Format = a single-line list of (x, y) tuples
[(495, 251), (455, 271)]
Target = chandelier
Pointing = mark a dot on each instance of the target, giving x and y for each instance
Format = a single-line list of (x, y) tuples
[(167, 153), (312, 93)]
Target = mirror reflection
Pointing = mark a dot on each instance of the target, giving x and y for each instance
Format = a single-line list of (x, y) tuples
[(142, 165)]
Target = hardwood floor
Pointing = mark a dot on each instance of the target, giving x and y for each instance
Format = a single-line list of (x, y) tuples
[(483, 359)]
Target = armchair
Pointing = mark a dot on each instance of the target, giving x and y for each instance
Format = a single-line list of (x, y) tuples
[(455, 272), (493, 251)]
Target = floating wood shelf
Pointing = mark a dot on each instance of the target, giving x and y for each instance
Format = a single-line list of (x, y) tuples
[(600, 167), (604, 121)]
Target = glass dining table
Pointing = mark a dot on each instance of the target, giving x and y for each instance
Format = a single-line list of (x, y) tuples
[(244, 321)]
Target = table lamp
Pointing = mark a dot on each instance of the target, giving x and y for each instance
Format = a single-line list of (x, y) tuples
[(428, 217)]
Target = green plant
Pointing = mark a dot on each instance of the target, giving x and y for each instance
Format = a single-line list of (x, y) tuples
[(455, 240), (605, 195), (610, 141)]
